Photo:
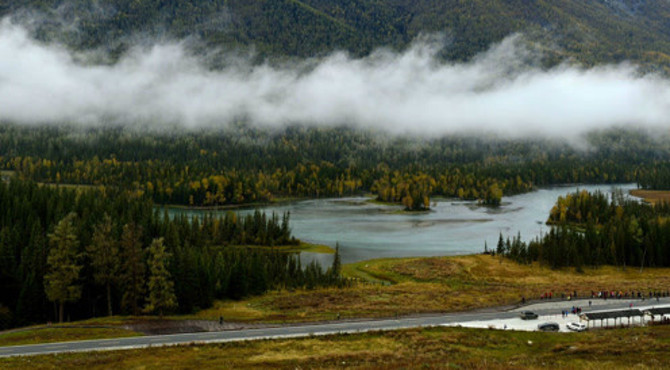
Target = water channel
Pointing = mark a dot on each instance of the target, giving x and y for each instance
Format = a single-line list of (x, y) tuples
[(367, 230)]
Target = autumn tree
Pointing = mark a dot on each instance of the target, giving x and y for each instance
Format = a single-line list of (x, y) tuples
[(62, 265), (105, 259), (161, 287), (494, 195)]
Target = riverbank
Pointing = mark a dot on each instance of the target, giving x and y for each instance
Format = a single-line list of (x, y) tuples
[(302, 247), (232, 207), (652, 196)]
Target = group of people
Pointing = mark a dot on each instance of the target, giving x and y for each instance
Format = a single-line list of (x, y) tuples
[(550, 295), (605, 294), (574, 311)]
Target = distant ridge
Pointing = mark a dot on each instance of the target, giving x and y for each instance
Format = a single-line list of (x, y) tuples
[(589, 31)]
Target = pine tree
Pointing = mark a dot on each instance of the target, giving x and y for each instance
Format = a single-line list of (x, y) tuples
[(105, 258), (336, 268), (63, 270), (133, 268), (161, 287), (10, 280), (500, 248)]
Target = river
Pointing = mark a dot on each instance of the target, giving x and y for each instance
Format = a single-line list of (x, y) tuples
[(366, 230)]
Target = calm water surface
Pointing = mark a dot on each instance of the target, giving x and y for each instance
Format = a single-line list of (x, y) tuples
[(365, 231)]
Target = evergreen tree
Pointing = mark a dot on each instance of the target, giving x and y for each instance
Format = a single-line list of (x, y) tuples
[(105, 259), (205, 265), (161, 287), (500, 248), (63, 270), (336, 268), (133, 268)]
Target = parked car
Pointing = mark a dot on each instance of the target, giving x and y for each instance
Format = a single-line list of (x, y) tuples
[(548, 326), (576, 326), (528, 315)]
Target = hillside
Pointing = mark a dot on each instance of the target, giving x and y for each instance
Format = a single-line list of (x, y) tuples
[(592, 31)]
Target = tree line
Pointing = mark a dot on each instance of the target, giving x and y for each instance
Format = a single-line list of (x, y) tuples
[(655, 177), (74, 253), (243, 164), (592, 229)]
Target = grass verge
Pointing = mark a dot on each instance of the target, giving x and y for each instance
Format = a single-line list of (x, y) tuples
[(53, 334), (416, 348)]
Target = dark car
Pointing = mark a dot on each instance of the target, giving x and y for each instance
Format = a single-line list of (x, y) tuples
[(528, 315), (548, 326)]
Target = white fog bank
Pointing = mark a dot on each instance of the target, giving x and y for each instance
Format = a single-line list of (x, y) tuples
[(401, 92)]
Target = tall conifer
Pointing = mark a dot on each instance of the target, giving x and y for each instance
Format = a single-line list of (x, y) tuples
[(105, 259), (161, 286), (63, 270), (133, 269)]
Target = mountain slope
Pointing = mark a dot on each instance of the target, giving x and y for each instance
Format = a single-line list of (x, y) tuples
[(592, 31)]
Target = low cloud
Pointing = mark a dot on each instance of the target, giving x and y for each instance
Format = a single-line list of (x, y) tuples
[(499, 91)]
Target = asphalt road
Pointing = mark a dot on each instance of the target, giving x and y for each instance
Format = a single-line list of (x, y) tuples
[(544, 308)]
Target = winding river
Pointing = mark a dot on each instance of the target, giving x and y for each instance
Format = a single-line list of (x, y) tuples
[(367, 230)]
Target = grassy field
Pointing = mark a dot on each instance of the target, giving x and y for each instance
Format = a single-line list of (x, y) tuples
[(639, 348), (52, 334), (389, 287), (652, 196)]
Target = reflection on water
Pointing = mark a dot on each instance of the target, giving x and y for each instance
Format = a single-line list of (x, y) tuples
[(367, 230)]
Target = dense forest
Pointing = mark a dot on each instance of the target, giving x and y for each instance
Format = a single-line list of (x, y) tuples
[(590, 229), (243, 164), (592, 31), (655, 178), (77, 253)]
